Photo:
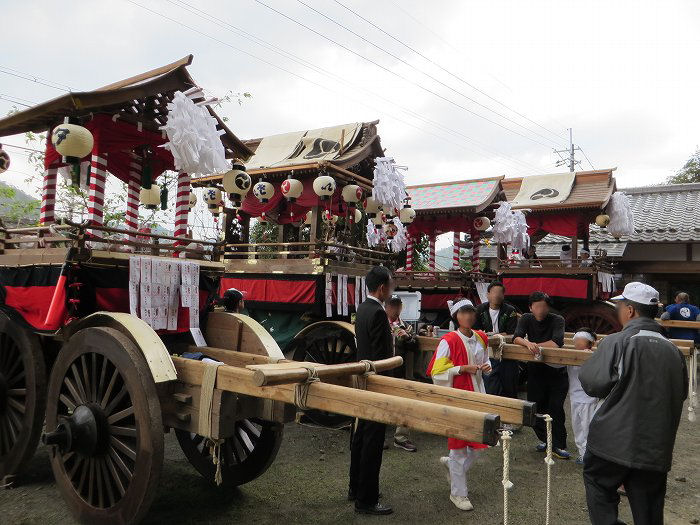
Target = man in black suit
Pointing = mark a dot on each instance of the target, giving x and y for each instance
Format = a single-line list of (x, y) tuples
[(374, 341)]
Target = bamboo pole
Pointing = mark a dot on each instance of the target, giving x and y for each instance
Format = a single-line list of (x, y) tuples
[(423, 416)]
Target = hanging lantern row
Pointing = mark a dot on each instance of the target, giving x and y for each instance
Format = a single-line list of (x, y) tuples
[(407, 215), (324, 186), (72, 142), (602, 220), (482, 224), (237, 183), (192, 200), (213, 199), (4, 160)]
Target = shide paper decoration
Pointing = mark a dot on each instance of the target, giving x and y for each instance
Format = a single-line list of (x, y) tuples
[(621, 218), (389, 186), (510, 227)]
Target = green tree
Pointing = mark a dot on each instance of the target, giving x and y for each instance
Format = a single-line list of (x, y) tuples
[(690, 172)]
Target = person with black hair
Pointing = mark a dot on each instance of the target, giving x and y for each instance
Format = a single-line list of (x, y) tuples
[(374, 342), (547, 384), (643, 381), (496, 316), (232, 301), (583, 406)]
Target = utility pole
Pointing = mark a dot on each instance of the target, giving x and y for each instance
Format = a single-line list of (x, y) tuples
[(571, 152)]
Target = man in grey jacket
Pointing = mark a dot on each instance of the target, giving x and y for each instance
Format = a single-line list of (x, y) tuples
[(641, 378)]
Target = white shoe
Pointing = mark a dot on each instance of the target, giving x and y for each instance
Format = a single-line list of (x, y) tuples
[(462, 502), (445, 462)]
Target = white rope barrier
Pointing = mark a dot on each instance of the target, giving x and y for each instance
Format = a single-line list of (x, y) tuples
[(692, 385), (549, 462), (506, 436)]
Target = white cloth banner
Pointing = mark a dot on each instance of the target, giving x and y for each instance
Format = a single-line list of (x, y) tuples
[(481, 289), (344, 288), (329, 295), (607, 282), (542, 190), (358, 283)]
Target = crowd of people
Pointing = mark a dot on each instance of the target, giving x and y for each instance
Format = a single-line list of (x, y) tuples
[(625, 400)]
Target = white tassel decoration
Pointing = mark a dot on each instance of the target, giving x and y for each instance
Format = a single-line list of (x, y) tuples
[(398, 243), (389, 186), (621, 217), (510, 227)]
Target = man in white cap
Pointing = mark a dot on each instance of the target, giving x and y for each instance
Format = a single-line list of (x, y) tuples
[(642, 379)]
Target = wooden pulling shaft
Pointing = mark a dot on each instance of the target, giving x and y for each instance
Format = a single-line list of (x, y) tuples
[(423, 416), (293, 373)]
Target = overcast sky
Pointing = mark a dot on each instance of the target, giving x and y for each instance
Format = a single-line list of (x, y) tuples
[(623, 74)]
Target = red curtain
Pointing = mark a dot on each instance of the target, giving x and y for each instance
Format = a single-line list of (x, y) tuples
[(118, 139), (566, 224), (433, 225)]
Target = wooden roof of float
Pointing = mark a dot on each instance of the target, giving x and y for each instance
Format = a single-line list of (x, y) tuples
[(591, 190), (464, 196), (142, 98)]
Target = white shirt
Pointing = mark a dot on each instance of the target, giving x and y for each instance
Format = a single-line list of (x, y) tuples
[(477, 355), (494, 318), (373, 297), (576, 392)]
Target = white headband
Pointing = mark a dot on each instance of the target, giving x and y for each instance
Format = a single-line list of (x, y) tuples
[(454, 308), (585, 335)]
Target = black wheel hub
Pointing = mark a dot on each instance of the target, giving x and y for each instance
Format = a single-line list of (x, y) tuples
[(86, 432), (3, 393)]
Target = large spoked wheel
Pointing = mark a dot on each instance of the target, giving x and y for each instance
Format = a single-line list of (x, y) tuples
[(599, 317), (328, 343), (22, 396), (103, 419), (244, 456)]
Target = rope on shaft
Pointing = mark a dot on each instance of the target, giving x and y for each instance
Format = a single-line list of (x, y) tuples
[(204, 426), (301, 390), (506, 436), (549, 462), (359, 381)]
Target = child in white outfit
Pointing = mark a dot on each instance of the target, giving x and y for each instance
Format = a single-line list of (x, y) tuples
[(583, 406)]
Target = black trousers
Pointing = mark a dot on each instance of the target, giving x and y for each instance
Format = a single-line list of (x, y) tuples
[(548, 387), (365, 461), (503, 379), (645, 489)]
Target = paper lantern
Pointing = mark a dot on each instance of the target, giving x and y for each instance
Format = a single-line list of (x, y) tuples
[(407, 215), (212, 196), (150, 197), (372, 207), (356, 216), (324, 186), (307, 219), (193, 200), (352, 193), (391, 230), (602, 220), (263, 191), (291, 189), (4, 160), (236, 182), (71, 140), (482, 224), (378, 220)]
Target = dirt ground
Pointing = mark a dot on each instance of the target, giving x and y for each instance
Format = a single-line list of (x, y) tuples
[(308, 484)]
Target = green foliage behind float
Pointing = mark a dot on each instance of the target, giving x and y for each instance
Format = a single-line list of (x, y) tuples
[(690, 172)]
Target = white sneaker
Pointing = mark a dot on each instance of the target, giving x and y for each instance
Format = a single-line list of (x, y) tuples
[(462, 502), (445, 462)]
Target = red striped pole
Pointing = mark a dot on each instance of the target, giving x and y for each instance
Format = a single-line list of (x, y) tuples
[(96, 193), (409, 254), (132, 198), (48, 197), (431, 260), (476, 246), (182, 207), (455, 251)]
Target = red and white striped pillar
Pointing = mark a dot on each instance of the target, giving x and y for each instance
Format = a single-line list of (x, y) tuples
[(182, 206), (133, 188), (409, 254), (455, 251), (476, 246), (96, 193), (48, 197), (431, 257)]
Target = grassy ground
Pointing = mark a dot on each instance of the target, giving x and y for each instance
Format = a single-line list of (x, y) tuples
[(308, 484)]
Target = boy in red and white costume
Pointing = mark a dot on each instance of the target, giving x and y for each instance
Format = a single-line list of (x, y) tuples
[(459, 361)]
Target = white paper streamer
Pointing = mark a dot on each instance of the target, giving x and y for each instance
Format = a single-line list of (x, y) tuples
[(358, 283), (510, 227), (329, 295), (373, 235), (389, 186), (193, 138), (621, 217), (398, 243), (344, 293)]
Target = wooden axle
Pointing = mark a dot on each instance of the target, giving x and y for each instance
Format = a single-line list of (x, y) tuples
[(295, 372), (424, 416)]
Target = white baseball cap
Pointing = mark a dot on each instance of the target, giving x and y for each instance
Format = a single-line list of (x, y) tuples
[(639, 293)]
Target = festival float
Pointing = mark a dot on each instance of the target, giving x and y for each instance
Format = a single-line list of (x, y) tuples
[(103, 329)]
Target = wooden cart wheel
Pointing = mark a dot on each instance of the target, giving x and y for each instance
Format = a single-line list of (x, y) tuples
[(325, 342), (244, 456), (599, 317), (22, 395), (103, 419)]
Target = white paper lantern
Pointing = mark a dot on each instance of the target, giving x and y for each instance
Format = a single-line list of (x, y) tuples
[(192, 200), (407, 215), (352, 193), (4, 160), (291, 189), (150, 197), (602, 220), (307, 219), (324, 186), (378, 220), (372, 207), (263, 191), (482, 224), (212, 196), (236, 182), (71, 140), (356, 216)]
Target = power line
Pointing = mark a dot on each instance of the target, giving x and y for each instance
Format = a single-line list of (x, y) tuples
[(16, 100), (21, 147), (394, 73), (586, 157), (32, 78), (297, 75), (410, 48), (37, 77), (342, 80)]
